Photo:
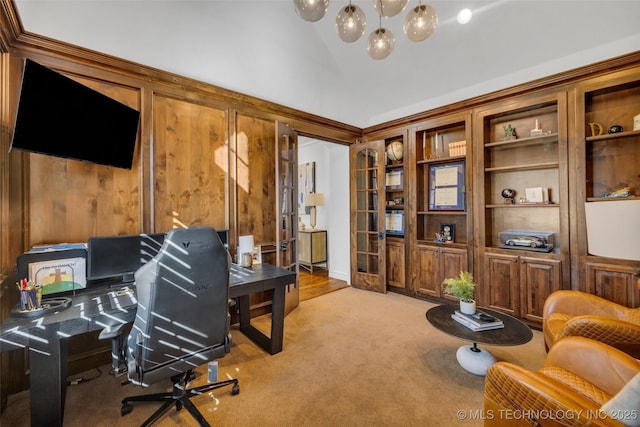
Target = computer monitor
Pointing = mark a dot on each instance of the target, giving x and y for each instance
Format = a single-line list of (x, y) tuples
[(117, 258)]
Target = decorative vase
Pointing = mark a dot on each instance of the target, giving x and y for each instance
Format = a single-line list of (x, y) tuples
[(468, 307)]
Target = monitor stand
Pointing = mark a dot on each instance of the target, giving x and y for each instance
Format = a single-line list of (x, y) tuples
[(48, 305)]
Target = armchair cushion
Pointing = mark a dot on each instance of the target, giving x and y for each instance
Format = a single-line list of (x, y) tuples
[(625, 406)]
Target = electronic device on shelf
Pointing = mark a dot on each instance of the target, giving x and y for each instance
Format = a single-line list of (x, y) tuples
[(117, 258), (61, 117)]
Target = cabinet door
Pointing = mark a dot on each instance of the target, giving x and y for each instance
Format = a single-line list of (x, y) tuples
[(617, 283), (427, 271), (538, 278), (501, 282), (395, 263), (452, 262)]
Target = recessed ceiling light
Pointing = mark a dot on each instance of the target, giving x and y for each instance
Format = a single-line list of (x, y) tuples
[(464, 16)]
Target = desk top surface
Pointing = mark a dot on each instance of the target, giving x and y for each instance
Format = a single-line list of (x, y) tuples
[(515, 332), (105, 306)]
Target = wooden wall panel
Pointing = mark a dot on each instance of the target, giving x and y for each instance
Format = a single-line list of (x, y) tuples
[(191, 161), (256, 181), (70, 200)]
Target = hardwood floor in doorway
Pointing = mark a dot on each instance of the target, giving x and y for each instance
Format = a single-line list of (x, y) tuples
[(318, 283)]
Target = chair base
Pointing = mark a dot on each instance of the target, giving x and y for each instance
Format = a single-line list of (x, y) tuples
[(179, 397)]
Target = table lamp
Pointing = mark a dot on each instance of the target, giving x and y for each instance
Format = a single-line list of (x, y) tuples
[(312, 200)]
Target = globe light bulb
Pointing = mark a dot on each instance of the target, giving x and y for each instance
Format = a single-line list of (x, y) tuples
[(420, 23), (311, 10), (389, 8), (381, 43), (350, 23)]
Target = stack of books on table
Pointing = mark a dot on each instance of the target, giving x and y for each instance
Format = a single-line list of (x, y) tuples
[(479, 321)]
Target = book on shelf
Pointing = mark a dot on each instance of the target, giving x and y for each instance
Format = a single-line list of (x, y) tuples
[(479, 321)]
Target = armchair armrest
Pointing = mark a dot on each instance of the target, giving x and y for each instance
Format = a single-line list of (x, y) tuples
[(604, 329), (576, 303), (580, 355), (509, 387)]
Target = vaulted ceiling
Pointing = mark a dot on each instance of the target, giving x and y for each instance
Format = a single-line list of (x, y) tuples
[(264, 49)]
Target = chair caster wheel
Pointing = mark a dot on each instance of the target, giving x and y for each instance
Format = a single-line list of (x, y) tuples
[(126, 408), (235, 390)]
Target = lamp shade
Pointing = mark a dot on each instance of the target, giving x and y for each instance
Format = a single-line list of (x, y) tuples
[(314, 199), (311, 10), (389, 8), (613, 228), (420, 23), (381, 43), (350, 23)]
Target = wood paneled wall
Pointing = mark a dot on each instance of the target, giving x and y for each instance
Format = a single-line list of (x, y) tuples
[(204, 156)]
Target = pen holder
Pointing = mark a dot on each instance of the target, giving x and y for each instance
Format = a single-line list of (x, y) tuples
[(245, 259)]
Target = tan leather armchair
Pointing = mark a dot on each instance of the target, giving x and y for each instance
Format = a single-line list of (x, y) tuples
[(575, 313), (578, 377)]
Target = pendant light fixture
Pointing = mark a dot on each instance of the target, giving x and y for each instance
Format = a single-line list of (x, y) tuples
[(389, 8), (311, 10), (350, 23), (420, 23), (381, 42)]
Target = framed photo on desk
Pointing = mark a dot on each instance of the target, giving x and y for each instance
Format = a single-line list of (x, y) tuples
[(447, 186)]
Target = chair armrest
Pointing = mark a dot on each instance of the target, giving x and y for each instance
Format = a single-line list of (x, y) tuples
[(604, 329), (582, 356), (512, 390), (576, 303)]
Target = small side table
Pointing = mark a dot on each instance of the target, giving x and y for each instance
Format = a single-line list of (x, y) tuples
[(312, 248), (474, 359)]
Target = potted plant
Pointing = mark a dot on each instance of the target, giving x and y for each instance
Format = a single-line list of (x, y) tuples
[(462, 287)]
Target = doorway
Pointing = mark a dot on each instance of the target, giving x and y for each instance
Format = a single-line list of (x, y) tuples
[(332, 180)]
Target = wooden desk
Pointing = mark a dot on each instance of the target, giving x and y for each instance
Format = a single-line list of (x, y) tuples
[(46, 335)]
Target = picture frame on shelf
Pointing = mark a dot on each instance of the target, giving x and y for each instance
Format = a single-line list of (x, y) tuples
[(447, 186), (448, 233)]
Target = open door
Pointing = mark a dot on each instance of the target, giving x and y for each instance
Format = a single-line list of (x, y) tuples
[(287, 185), (367, 216)]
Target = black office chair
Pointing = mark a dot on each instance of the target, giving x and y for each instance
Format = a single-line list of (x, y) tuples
[(182, 320)]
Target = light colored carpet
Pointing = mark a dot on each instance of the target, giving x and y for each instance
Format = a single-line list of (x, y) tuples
[(351, 358)]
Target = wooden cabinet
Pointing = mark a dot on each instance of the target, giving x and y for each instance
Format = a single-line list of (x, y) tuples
[(604, 163), (434, 263), (440, 220), (312, 247), (519, 285), (395, 262), (522, 147), (617, 283)]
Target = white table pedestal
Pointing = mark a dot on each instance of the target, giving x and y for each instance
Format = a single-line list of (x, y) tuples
[(474, 359)]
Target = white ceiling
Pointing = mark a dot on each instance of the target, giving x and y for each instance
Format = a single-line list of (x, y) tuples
[(264, 49)]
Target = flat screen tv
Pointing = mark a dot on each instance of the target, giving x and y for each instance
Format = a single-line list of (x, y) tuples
[(60, 117)]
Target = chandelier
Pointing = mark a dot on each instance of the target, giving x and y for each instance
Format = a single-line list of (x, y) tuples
[(419, 24)]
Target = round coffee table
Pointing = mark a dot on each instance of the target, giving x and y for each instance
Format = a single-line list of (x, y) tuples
[(472, 358)]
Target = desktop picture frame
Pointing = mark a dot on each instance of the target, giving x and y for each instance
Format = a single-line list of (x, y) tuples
[(447, 186), (39, 266)]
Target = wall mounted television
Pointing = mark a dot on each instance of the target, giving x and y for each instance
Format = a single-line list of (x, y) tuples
[(60, 117)]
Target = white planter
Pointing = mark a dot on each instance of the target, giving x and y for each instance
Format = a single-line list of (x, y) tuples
[(468, 307)]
